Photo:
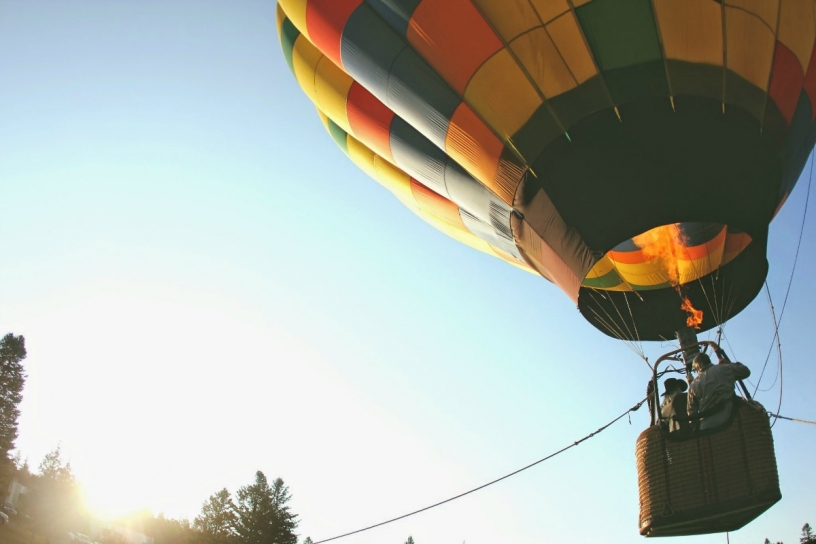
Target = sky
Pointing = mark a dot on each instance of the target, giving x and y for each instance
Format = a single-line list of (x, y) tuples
[(208, 287)]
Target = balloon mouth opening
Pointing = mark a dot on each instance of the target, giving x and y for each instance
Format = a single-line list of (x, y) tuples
[(718, 271), (667, 256)]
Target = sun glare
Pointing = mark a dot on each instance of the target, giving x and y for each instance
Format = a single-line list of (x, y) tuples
[(111, 499)]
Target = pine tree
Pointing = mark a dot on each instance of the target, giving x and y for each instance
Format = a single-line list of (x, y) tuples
[(262, 514), (169, 531), (410, 540), (54, 497), (12, 380), (54, 470), (807, 535), (217, 518), (287, 521)]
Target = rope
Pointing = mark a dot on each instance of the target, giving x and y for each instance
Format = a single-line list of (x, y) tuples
[(793, 269), (636, 345), (440, 503), (622, 320), (781, 384), (777, 343), (727, 341), (634, 325), (619, 333), (771, 414), (730, 299)]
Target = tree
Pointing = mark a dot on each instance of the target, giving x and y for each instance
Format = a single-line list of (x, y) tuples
[(807, 535), (410, 540), (55, 501), (168, 530), (217, 518), (54, 470), (12, 380), (262, 514), (308, 540), (287, 521)]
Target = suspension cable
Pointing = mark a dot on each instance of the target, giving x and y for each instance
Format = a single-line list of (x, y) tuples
[(612, 326)]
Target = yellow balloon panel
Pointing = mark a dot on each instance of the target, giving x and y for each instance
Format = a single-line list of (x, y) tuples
[(797, 29), (501, 93), (572, 47), (749, 47), (542, 60), (691, 30)]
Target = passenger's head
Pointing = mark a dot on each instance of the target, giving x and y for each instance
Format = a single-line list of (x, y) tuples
[(701, 362), (673, 386)]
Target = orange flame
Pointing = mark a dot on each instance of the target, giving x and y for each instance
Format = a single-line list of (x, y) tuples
[(667, 245), (695, 317)]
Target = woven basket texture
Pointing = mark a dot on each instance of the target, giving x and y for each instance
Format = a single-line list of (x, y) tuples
[(715, 472)]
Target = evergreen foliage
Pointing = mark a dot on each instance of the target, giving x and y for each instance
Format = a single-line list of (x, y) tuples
[(12, 380), (807, 535), (262, 514), (217, 519), (54, 499), (170, 531)]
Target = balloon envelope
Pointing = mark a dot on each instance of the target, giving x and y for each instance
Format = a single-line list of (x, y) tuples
[(554, 134)]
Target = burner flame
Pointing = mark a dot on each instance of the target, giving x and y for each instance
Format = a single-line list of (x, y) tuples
[(695, 317), (667, 245)]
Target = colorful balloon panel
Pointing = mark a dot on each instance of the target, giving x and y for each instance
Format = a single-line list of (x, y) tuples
[(556, 132)]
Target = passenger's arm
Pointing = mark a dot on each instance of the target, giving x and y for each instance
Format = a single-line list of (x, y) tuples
[(692, 406), (741, 371)]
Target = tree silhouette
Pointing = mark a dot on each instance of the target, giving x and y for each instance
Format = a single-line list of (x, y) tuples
[(807, 535), (55, 496), (12, 380), (287, 521), (262, 514), (410, 540), (168, 530), (217, 519)]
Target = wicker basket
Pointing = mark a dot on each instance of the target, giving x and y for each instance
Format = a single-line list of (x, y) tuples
[(709, 481)]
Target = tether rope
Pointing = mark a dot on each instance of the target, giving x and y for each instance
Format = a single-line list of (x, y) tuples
[(771, 414), (440, 503)]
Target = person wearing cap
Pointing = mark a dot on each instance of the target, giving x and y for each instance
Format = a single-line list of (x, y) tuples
[(712, 391), (674, 404)]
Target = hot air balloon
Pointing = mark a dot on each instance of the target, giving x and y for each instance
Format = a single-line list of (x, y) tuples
[(632, 152)]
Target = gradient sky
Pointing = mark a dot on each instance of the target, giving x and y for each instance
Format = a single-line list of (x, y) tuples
[(208, 287)]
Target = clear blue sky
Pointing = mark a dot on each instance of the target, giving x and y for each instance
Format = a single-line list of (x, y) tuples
[(208, 287)]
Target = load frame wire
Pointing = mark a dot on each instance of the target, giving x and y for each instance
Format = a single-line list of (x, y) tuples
[(497, 480)]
